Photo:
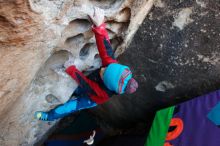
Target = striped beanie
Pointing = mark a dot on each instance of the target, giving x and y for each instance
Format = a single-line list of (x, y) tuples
[(116, 78)]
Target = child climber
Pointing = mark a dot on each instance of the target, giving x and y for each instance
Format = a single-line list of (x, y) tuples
[(98, 87)]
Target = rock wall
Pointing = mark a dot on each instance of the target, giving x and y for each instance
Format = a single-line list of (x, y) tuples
[(174, 56), (36, 37)]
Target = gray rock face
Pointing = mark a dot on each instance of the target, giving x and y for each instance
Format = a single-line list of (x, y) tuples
[(174, 56), (37, 36)]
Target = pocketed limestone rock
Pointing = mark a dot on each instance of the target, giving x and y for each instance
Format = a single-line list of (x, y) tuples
[(36, 37)]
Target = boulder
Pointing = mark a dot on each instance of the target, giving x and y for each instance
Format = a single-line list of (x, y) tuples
[(36, 37)]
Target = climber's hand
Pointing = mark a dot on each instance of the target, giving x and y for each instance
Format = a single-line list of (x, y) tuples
[(69, 62), (97, 17)]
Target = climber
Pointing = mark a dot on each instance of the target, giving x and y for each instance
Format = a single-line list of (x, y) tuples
[(112, 78)]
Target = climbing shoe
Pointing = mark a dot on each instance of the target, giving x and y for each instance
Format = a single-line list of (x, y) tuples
[(41, 115)]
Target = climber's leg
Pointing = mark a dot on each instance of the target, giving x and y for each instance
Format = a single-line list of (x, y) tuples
[(85, 103), (65, 109)]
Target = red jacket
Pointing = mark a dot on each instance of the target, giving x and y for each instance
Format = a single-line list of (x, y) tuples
[(96, 92)]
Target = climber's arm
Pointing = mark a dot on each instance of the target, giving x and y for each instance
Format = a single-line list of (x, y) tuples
[(91, 88), (102, 38), (103, 44)]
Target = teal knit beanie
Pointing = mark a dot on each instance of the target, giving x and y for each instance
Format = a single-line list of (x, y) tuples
[(116, 77)]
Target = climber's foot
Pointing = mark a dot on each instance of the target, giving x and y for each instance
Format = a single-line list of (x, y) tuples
[(41, 116)]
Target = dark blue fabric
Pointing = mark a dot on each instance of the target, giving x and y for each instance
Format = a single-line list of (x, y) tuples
[(64, 143), (94, 76), (79, 92), (85, 86), (109, 49)]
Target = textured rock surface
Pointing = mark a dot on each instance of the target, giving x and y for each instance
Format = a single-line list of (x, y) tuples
[(36, 37), (174, 56)]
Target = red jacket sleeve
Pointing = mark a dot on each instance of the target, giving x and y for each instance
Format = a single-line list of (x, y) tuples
[(101, 35), (94, 91)]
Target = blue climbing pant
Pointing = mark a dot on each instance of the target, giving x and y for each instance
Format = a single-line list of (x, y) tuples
[(71, 106)]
